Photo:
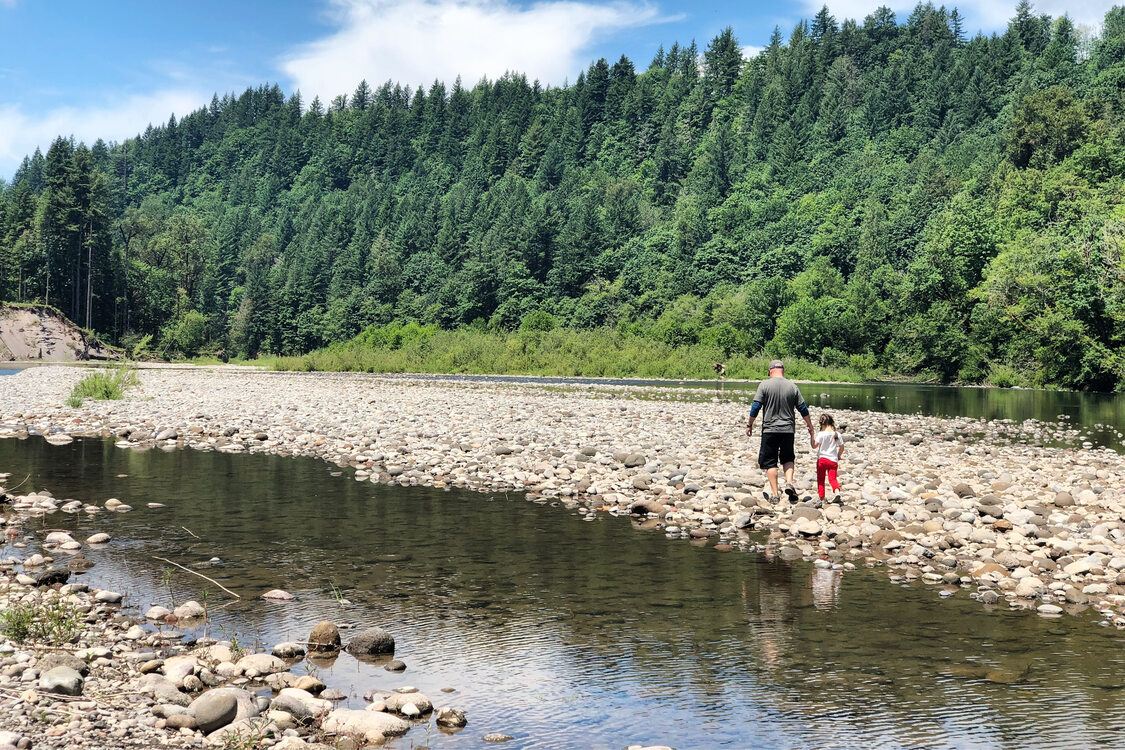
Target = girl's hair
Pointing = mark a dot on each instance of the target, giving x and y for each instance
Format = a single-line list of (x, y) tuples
[(826, 420)]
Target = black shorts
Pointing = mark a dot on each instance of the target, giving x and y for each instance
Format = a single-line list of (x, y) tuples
[(777, 448)]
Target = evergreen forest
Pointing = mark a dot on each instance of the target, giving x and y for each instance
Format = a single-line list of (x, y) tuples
[(888, 195)]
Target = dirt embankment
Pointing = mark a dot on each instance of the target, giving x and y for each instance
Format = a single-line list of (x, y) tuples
[(44, 334)]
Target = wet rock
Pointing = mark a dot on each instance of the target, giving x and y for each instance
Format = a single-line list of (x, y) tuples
[(61, 680), (447, 716), (52, 577), (640, 507), (278, 595), (288, 650), (189, 611), (395, 702), (398, 665), (108, 597), (372, 641), (497, 737), (259, 665), (157, 613), (373, 726), (325, 636), (309, 684)]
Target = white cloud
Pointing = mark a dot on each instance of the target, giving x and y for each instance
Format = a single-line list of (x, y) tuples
[(21, 133), (979, 15), (416, 41)]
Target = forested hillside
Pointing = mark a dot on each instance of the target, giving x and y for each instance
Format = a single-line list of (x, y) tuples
[(884, 192)]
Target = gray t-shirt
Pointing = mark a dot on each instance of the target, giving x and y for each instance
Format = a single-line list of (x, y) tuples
[(779, 398)]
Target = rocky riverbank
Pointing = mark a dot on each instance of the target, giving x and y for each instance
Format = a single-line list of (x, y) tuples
[(80, 669), (958, 503)]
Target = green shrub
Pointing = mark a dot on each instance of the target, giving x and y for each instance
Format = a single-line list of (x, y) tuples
[(52, 622), (104, 385), (1005, 376), (538, 320)]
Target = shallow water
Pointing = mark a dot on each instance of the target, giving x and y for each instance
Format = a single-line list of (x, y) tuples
[(568, 633)]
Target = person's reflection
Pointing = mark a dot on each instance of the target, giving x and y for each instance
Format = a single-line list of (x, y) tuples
[(825, 587), (771, 606)]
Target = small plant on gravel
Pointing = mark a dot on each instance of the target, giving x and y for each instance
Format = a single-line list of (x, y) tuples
[(52, 622), (245, 740), (105, 385), (166, 582)]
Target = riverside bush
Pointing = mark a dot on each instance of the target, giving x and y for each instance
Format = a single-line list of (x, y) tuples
[(106, 385), (605, 353)]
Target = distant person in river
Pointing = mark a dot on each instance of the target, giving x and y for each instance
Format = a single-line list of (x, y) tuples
[(775, 400), (829, 446)]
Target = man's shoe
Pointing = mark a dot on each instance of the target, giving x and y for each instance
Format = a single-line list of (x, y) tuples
[(791, 491)]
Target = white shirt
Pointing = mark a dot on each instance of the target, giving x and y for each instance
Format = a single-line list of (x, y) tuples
[(829, 443)]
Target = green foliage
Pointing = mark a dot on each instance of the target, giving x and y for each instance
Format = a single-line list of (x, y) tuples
[(187, 334), (887, 195), (103, 385), (538, 320), (141, 347), (50, 622), (559, 352)]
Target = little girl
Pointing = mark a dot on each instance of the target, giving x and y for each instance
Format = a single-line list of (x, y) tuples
[(830, 447)]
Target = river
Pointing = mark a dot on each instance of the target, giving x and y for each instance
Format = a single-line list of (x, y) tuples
[(569, 633)]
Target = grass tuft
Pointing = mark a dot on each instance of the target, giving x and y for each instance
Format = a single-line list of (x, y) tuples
[(104, 385), (53, 622)]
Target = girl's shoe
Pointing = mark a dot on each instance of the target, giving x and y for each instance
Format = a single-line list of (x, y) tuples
[(838, 500)]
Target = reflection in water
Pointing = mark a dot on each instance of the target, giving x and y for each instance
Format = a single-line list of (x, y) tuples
[(565, 633)]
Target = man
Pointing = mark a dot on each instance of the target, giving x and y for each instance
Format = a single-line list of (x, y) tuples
[(776, 399)]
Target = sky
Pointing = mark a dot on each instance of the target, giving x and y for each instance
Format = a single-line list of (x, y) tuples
[(90, 70)]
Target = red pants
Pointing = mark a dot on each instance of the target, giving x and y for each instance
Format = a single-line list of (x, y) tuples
[(826, 467)]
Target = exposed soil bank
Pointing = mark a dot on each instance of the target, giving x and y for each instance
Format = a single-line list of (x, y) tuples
[(43, 334)]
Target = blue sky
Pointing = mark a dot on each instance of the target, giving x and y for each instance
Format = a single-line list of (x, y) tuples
[(75, 67)]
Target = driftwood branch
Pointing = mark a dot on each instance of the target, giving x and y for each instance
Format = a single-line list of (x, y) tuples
[(189, 570)]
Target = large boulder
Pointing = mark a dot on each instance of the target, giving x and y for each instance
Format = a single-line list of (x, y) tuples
[(47, 662), (302, 705), (373, 641), (62, 681), (179, 668), (260, 665), (372, 725), (247, 701), (162, 689), (214, 709), (325, 636)]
